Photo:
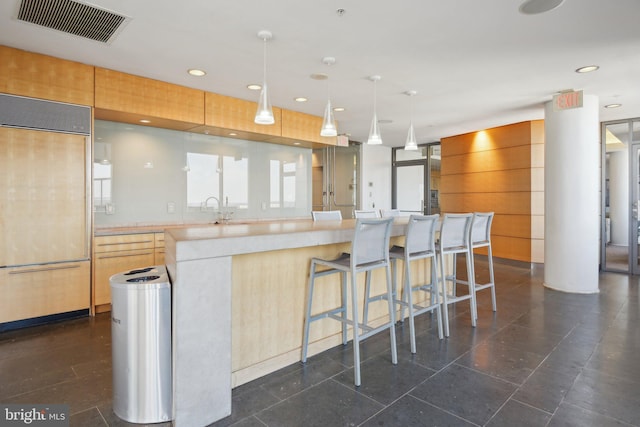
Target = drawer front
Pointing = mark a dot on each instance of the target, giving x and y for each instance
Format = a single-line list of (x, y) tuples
[(123, 242), (159, 240), (43, 290)]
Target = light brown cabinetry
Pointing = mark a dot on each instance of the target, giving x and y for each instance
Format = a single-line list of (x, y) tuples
[(127, 98), (115, 254), (159, 249), (45, 77), (41, 290), (304, 127)]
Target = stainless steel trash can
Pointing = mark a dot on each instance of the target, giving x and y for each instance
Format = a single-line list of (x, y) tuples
[(141, 345)]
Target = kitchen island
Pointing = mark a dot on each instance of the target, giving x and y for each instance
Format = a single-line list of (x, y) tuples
[(239, 294)]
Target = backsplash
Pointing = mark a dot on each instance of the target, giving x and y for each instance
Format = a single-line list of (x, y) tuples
[(145, 176)]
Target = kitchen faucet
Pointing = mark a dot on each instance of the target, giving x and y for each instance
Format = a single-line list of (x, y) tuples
[(205, 204)]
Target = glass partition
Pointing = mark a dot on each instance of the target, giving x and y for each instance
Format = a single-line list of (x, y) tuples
[(145, 175)]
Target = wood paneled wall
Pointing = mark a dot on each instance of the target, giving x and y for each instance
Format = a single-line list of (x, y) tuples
[(500, 170)]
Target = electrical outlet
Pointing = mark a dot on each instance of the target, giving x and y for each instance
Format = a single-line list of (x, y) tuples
[(171, 207)]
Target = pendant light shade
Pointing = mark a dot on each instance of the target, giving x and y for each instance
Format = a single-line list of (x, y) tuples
[(374, 133), (264, 115), (329, 127), (411, 144), (328, 122)]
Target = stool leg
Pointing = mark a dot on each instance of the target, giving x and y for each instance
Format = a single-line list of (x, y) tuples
[(307, 319), (434, 296), (392, 318), (343, 285), (407, 291), (472, 287), (445, 309), (492, 279), (394, 276), (367, 291), (356, 330)]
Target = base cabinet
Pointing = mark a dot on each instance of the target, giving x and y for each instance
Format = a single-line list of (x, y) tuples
[(115, 254), (42, 290)]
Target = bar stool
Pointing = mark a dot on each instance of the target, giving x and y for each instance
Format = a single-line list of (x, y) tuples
[(481, 237), (366, 214), (369, 251), (326, 215), (455, 238), (419, 244)]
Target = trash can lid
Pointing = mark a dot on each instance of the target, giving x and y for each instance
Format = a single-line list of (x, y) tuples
[(154, 277)]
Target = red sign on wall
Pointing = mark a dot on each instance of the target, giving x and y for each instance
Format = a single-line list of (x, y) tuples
[(567, 100)]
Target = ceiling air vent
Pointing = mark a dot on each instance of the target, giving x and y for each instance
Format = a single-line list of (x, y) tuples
[(72, 17)]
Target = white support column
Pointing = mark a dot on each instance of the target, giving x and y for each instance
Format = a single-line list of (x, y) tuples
[(572, 202)]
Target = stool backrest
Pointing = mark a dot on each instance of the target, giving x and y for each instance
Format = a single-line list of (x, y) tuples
[(326, 215), (421, 234), (366, 214), (386, 213), (481, 228), (455, 232), (371, 240)]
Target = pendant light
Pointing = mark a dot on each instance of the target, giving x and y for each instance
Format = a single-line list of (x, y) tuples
[(328, 122), (411, 144), (264, 115), (374, 132)]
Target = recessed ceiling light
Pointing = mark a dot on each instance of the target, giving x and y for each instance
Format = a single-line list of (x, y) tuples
[(533, 7), (587, 69), (300, 99), (254, 87), (233, 134), (296, 143), (339, 109), (145, 121), (196, 72), (613, 106)]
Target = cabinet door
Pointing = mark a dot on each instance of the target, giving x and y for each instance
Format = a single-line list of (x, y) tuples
[(42, 290), (43, 197), (107, 264)]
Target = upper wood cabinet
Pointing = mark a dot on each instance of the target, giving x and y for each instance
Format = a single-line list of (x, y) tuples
[(237, 114), (128, 98), (45, 77), (305, 127)]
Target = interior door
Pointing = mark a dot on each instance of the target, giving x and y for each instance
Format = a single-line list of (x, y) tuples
[(634, 218), (335, 179), (409, 189)]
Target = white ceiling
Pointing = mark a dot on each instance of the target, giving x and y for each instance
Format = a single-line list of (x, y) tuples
[(474, 63)]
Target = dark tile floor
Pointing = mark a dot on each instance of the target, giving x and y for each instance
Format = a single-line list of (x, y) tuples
[(546, 358)]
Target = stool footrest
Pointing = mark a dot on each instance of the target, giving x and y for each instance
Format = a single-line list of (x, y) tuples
[(330, 313)]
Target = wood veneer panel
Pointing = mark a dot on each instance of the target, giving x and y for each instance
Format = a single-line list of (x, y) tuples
[(125, 93), (45, 77), (238, 114), (43, 197), (515, 203), (488, 182), (489, 139), (511, 248), (518, 157), (305, 127), (43, 290)]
